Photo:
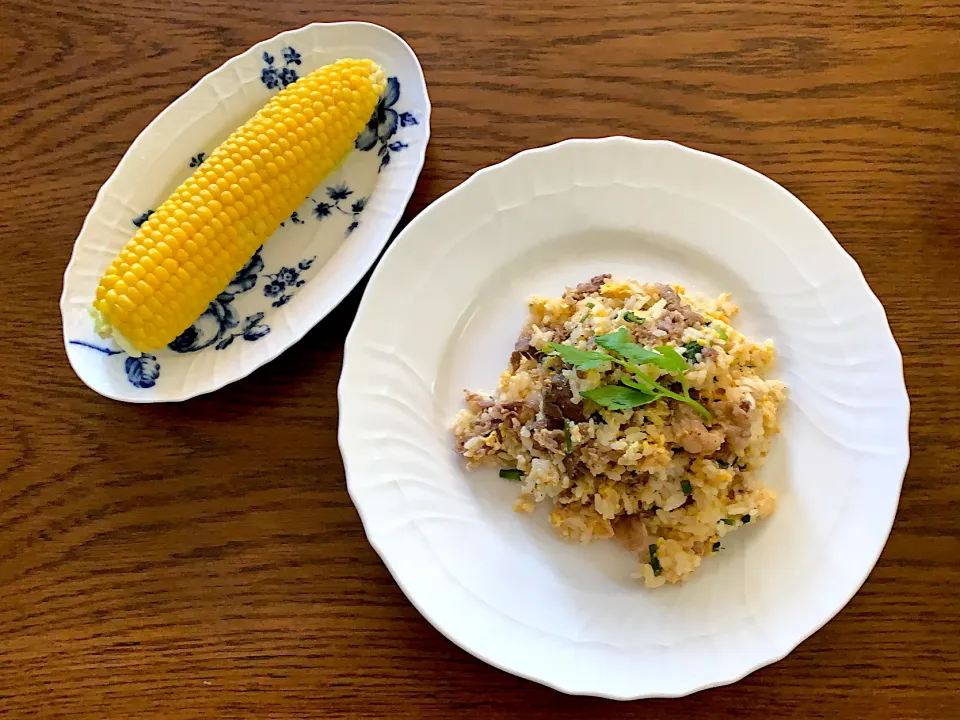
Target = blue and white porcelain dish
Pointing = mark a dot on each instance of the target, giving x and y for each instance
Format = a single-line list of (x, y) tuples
[(305, 269)]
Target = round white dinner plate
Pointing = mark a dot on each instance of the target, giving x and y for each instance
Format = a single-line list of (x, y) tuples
[(441, 313), (305, 268)]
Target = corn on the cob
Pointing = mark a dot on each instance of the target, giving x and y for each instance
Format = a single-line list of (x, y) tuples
[(187, 252)]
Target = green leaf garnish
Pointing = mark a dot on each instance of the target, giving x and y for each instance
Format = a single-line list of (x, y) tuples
[(644, 385), (686, 487), (664, 357), (631, 316), (566, 436), (580, 359), (620, 343), (655, 561), (728, 521), (618, 397), (641, 380), (511, 474), (591, 306), (673, 361), (640, 388)]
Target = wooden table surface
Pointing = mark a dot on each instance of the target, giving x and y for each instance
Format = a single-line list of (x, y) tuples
[(204, 559)]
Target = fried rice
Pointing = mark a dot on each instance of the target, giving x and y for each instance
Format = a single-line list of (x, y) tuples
[(667, 479)]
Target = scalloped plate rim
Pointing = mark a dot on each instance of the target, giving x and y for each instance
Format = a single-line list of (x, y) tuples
[(352, 341), (142, 137)]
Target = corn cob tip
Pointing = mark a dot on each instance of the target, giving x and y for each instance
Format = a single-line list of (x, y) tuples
[(105, 331)]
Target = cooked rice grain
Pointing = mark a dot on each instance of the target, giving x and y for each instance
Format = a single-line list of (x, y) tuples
[(628, 473)]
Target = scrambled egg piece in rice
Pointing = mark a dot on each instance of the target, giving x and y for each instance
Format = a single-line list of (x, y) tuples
[(640, 414)]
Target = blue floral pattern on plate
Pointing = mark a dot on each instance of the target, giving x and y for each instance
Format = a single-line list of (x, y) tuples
[(322, 209), (142, 372), (215, 325), (283, 282), (276, 77), (337, 194), (383, 125)]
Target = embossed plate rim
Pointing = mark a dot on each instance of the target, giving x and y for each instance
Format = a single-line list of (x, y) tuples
[(378, 492)]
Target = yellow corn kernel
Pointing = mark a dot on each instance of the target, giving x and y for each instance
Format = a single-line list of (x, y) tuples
[(187, 252)]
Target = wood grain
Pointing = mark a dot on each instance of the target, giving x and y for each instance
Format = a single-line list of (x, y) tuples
[(204, 559)]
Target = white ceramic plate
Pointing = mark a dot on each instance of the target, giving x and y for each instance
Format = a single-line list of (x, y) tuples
[(305, 269), (441, 314)]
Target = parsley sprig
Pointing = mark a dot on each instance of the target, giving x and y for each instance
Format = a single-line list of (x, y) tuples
[(637, 388)]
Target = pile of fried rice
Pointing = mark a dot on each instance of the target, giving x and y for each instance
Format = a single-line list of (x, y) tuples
[(663, 480)]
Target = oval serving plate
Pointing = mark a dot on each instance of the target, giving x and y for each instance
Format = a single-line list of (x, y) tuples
[(500, 584), (305, 269)]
